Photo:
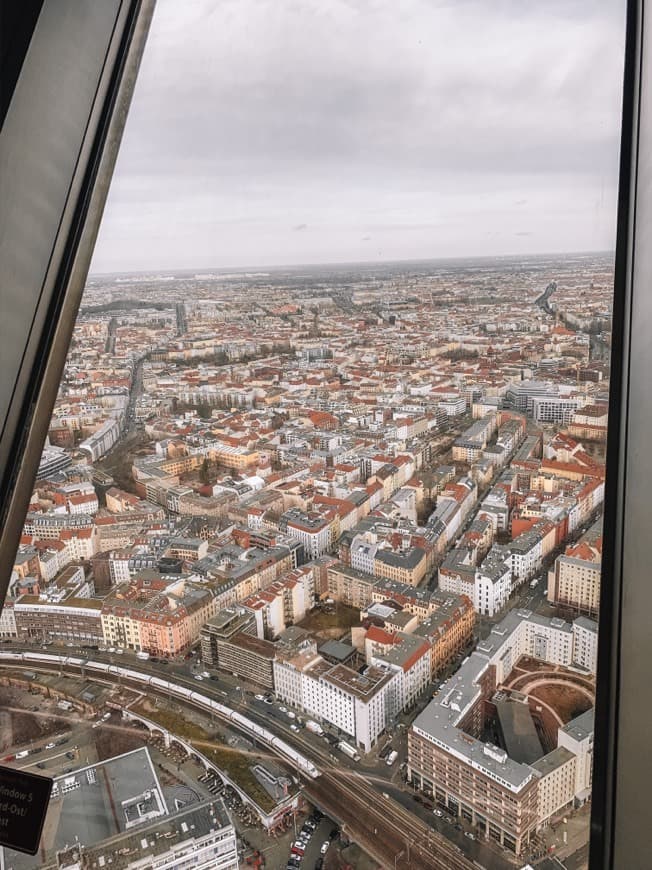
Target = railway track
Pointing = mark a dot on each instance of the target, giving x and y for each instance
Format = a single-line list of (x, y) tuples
[(381, 826), (386, 830)]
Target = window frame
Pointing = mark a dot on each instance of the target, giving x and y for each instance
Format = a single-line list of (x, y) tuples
[(622, 760), (72, 131)]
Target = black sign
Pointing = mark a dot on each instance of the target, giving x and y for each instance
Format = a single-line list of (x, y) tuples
[(24, 799)]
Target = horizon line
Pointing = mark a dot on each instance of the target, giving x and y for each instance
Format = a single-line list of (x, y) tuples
[(285, 266)]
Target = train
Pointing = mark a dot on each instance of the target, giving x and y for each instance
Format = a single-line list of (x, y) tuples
[(197, 698)]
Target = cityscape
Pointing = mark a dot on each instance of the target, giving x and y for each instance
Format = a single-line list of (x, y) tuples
[(310, 574)]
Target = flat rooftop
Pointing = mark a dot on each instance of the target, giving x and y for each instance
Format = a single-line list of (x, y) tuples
[(97, 802), (519, 732)]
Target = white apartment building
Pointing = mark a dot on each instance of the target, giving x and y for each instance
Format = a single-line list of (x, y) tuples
[(363, 552), (574, 579), (493, 583), (356, 704), (8, 620), (577, 737), (405, 655), (585, 644), (523, 633), (453, 407), (555, 409), (314, 534)]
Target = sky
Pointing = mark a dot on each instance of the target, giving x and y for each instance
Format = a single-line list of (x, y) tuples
[(279, 132)]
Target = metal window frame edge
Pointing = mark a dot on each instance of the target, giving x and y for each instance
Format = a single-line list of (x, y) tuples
[(38, 378), (622, 762)]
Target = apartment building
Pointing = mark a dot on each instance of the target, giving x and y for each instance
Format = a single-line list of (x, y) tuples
[(229, 642), (357, 704), (406, 655), (507, 799), (405, 566), (574, 579), (157, 614), (585, 643), (312, 530), (350, 586)]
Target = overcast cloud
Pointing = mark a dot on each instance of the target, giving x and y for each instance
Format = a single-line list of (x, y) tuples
[(266, 132)]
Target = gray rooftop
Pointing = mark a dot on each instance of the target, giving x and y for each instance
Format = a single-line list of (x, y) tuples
[(439, 721), (580, 727), (519, 732), (553, 760), (109, 807)]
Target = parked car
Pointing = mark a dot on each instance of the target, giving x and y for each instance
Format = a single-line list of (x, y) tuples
[(325, 846), (259, 697)]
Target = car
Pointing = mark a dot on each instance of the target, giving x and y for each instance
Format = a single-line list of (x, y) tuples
[(119, 652), (298, 849), (199, 677), (215, 678), (164, 662), (325, 846), (70, 755), (154, 659), (50, 746), (438, 813), (111, 649), (448, 819), (106, 716), (268, 700), (294, 727), (283, 709), (206, 675), (259, 697), (40, 765), (291, 715), (470, 835)]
